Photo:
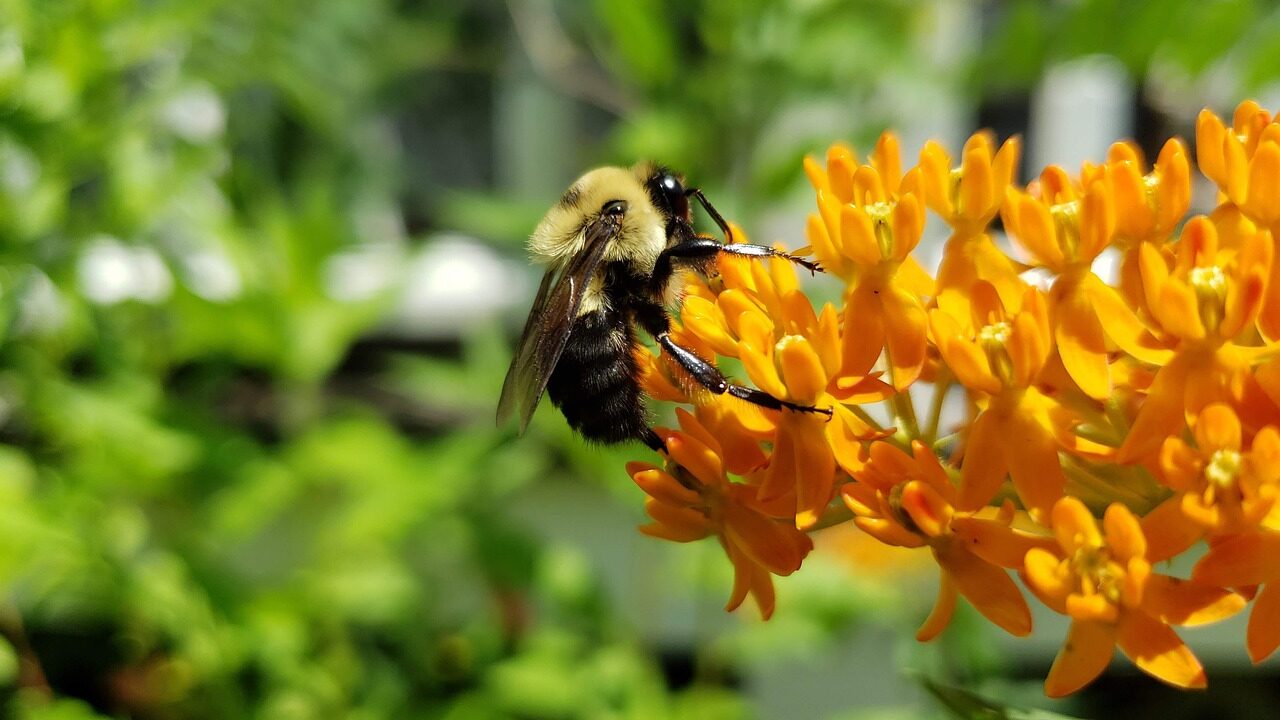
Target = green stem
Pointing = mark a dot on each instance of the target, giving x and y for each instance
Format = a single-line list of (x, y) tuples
[(940, 387), (836, 513)]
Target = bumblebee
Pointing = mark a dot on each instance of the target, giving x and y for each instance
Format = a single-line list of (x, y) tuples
[(612, 244)]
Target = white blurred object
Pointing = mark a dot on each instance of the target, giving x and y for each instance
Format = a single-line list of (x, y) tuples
[(453, 283), (363, 271), (195, 114), (110, 272), (1079, 109), (211, 275)]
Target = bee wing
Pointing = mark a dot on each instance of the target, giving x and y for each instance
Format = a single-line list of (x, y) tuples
[(550, 321)]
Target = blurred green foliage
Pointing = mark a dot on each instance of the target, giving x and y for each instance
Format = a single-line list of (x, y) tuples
[(222, 493)]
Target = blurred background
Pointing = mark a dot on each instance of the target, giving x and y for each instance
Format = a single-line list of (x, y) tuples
[(261, 269)]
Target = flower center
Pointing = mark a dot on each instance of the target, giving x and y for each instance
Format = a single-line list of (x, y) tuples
[(880, 214), (1066, 219), (1223, 468), (993, 338), (1210, 285), (1098, 573)]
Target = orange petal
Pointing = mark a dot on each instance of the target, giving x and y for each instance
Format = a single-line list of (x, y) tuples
[(1217, 428), (1168, 532), (908, 226), (801, 369), (1123, 533), (1085, 654), (1123, 326), (988, 587), (984, 468), (928, 509), (663, 487), (1188, 602), (1032, 457), (1263, 202), (1210, 133), (1246, 559), (778, 548), (1082, 344), (996, 542), (863, 331), (943, 608), (815, 469), (696, 457), (858, 235), (761, 370), (1074, 527), (1158, 651), (1263, 635), (680, 534), (905, 325), (1160, 415), (1092, 607), (1046, 574), (888, 532)]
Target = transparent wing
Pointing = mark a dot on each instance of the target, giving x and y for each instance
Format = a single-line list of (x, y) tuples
[(550, 321)]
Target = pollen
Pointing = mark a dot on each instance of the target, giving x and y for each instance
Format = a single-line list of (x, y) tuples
[(1223, 468), (994, 336), (1209, 279)]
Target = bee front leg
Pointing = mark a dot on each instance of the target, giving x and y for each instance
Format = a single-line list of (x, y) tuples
[(698, 250)]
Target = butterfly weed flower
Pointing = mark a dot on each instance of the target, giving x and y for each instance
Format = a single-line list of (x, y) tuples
[(695, 499), (908, 500), (1101, 578), (1079, 430)]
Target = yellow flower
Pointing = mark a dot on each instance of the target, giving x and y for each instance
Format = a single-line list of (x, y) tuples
[(909, 501), (997, 354), (694, 499), (1102, 579)]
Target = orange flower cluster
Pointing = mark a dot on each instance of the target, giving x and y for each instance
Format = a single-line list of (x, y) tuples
[(1104, 421)]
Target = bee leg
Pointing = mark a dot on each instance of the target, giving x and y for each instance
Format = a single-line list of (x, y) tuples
[(651, 439), (733, 248), (710, 377), (699, 249)]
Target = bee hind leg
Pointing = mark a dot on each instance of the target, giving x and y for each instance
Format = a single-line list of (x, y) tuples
[(710, 377)]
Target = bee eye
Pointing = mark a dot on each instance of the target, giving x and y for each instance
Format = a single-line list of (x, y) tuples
[(614, 208), (673, 193)]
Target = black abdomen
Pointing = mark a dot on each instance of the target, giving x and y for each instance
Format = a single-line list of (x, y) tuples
[(595, 382)]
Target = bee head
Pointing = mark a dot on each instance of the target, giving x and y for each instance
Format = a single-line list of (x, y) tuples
[(668, 194)]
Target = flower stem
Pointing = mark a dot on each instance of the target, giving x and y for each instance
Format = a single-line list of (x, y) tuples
[(940, 387)]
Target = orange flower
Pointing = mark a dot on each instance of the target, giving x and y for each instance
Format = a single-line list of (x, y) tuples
[(1102, 579), (1245, 161), (1251, 558), (997, 354), (1148, 207), (968, 198), (868, 226), (909, 501), (1066, 231), (1221, 487), (694, 499), (1205, 299), (762, 318)]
